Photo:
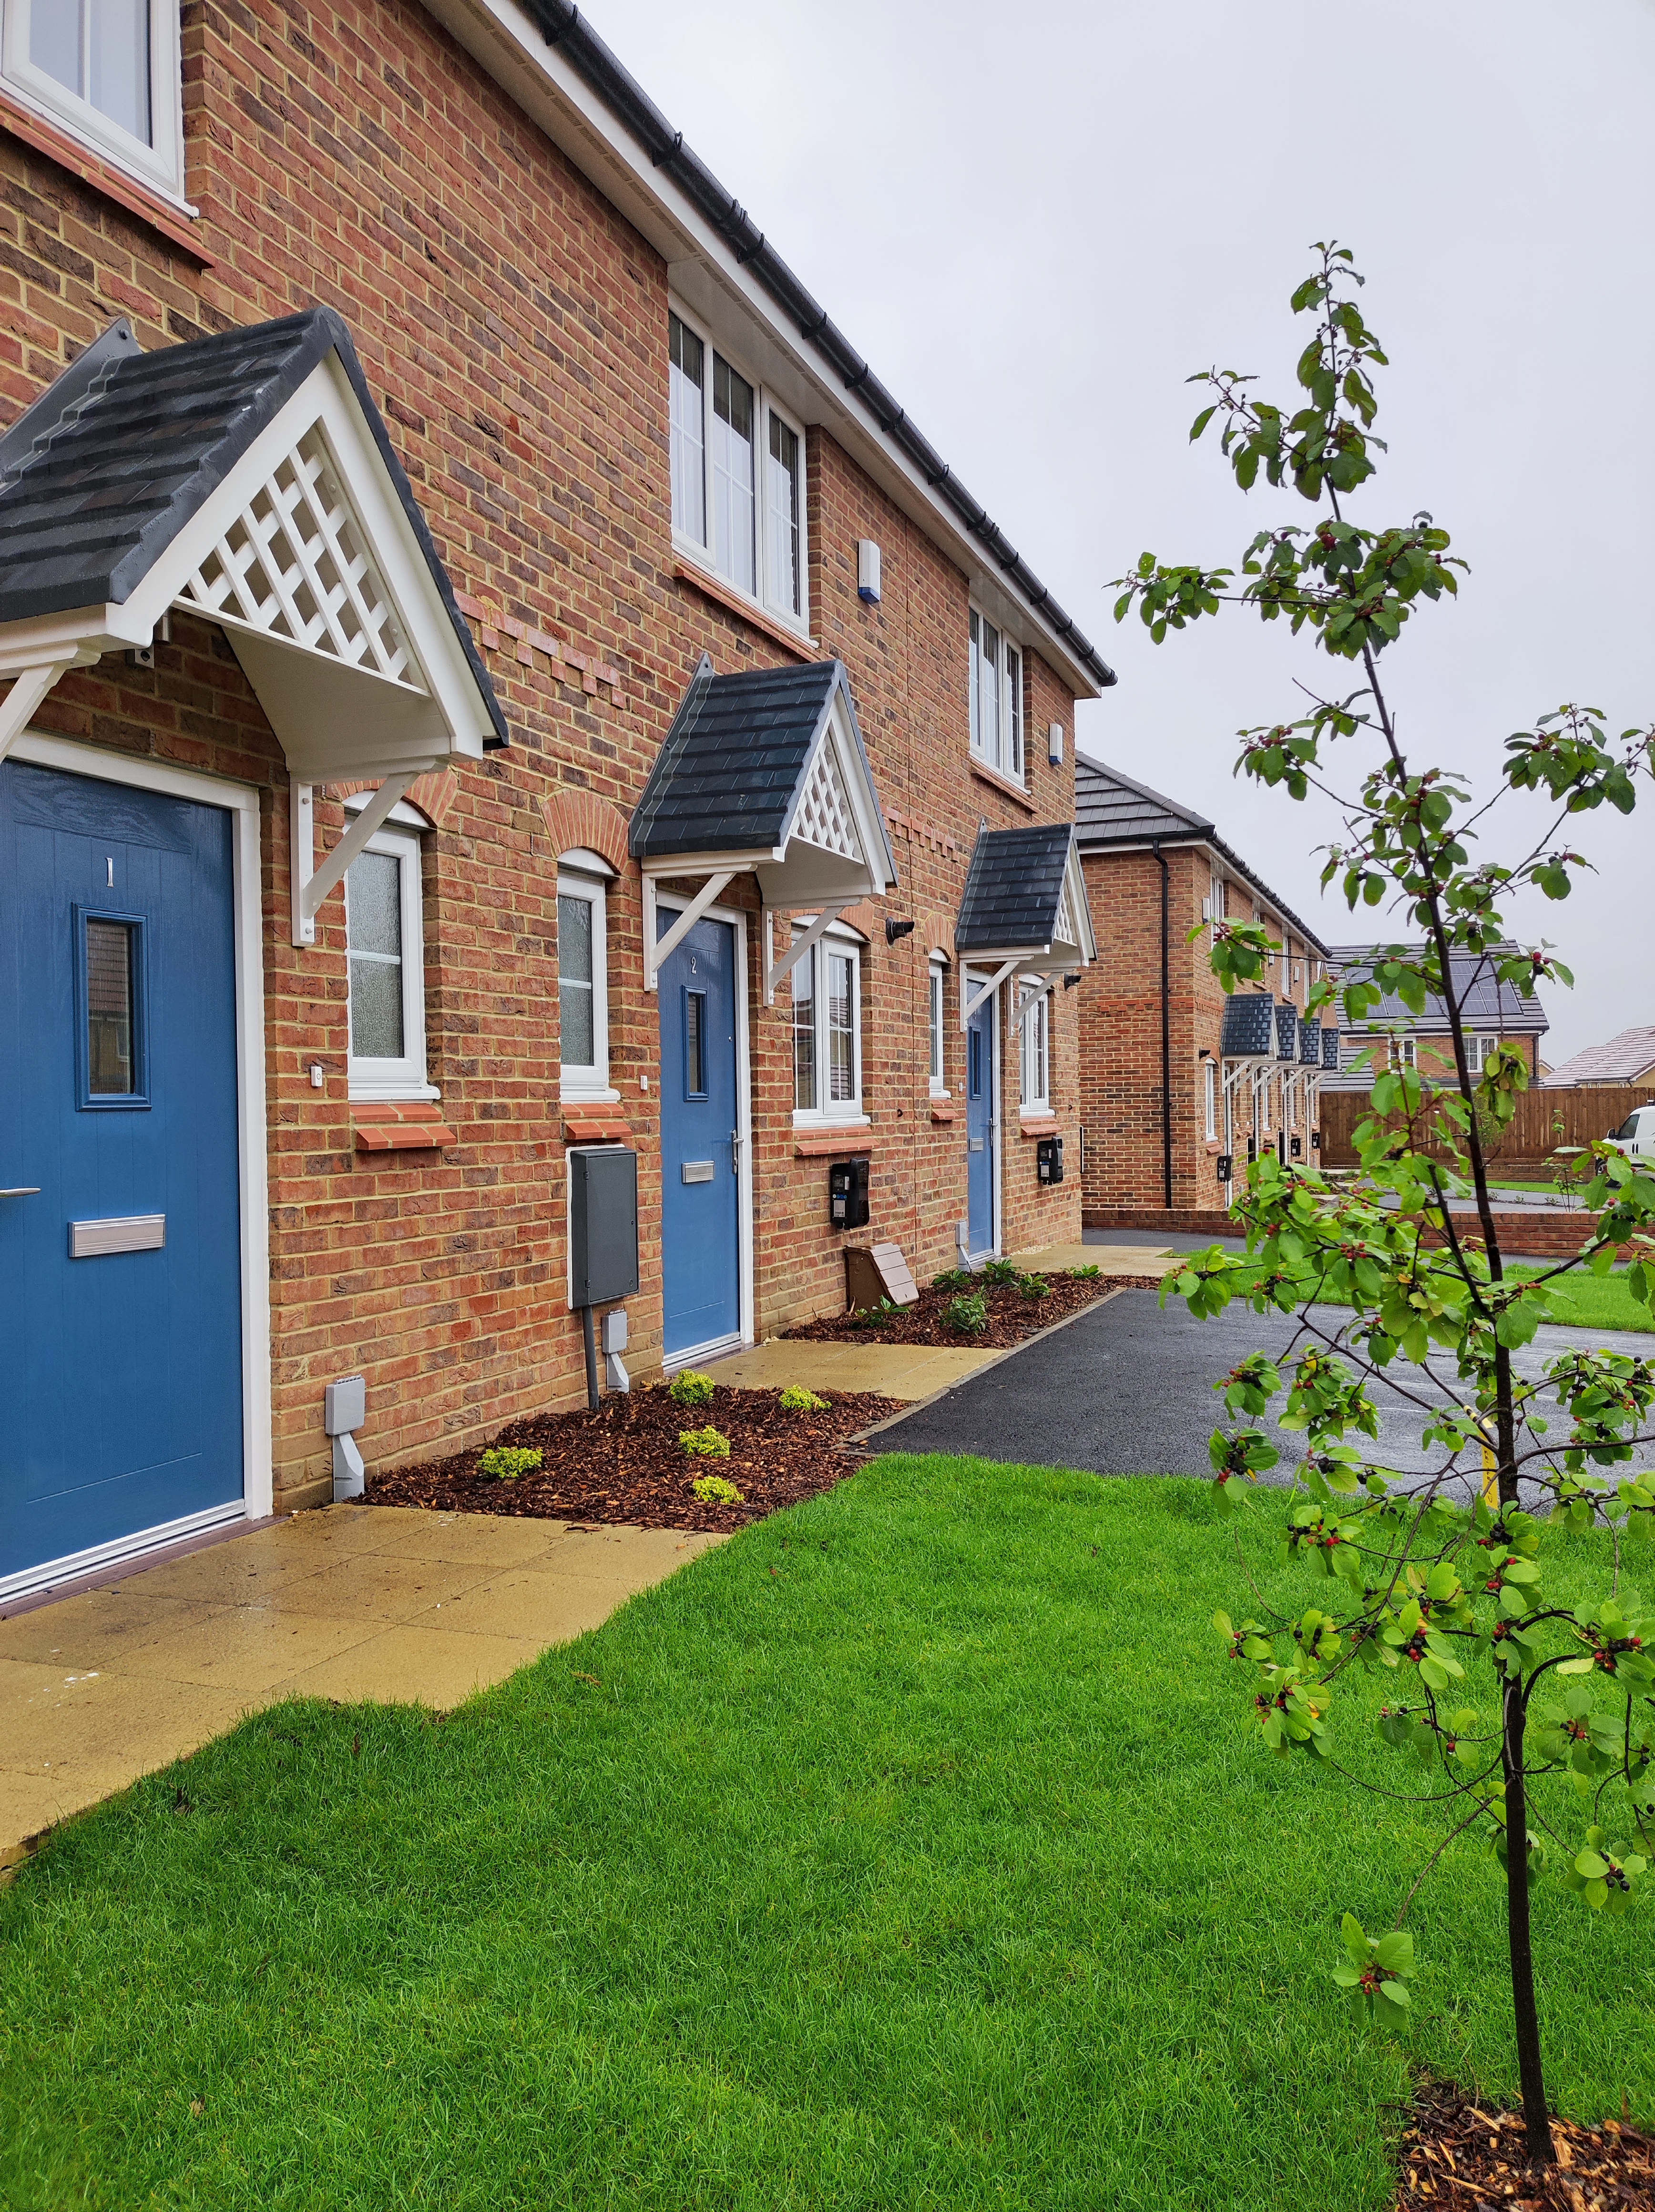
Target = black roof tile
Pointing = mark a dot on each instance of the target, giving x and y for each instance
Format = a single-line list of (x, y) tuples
[(1014, 888), (98, 476)]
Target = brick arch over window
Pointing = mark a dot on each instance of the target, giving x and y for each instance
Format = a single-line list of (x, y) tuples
[(576, 818)]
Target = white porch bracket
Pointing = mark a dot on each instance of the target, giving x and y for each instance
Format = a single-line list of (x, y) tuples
[(968, 1006), (311, 884), (1032, 998), (658, 952), (784, 968), (24, 697)]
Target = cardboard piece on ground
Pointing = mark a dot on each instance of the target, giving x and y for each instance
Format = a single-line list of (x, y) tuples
[(880, 1271)]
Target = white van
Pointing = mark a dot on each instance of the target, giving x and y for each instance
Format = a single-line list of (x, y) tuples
[(1636, 1135)]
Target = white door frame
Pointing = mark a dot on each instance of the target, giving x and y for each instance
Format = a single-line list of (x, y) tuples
[(996, 1090), (678, 902), (241, 802)]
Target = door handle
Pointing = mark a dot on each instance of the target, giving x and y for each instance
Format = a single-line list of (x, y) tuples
[(22, 1190), (737, 1140)]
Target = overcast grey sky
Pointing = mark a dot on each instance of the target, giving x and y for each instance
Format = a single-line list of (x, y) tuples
[(1037, 221)]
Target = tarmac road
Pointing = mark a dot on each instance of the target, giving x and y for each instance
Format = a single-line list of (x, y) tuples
[(1126, 1389)]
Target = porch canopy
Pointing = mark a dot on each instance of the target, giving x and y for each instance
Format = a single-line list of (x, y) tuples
[(763, 772), (1024, 912), (247, 478)]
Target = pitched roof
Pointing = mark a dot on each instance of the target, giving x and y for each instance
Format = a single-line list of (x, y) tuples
[(1486, 1002), (100, 475), (1622, 1059), (1112, 809), (1014, 894), (730, 769)]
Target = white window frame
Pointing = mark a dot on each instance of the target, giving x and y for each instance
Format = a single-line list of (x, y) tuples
[(700, 551), (583, 875), (1406, 1053), (1007, 755), (159, 166), (935, 1013), (838, 1113), (1034, 1059), (1478, 1052), (404, 1079), (1210, 1099)]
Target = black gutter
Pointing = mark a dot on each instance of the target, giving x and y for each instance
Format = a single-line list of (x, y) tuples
[(1166, 1028), (563, 27)]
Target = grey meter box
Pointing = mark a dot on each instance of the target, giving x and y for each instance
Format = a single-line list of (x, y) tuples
[(602, 1225)]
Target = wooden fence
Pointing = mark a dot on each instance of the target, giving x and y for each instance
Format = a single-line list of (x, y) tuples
[(1531, 1137)]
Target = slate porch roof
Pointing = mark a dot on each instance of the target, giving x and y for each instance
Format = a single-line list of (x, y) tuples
[(1113, 810), (1486, 1004), (1624, 1059), (730, 768), (98, 477), (1014, 893)]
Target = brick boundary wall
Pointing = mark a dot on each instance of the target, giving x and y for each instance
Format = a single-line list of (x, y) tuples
[(1532, 1234)]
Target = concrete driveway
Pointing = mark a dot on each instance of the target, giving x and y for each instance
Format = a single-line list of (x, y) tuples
[(1126, 1389)]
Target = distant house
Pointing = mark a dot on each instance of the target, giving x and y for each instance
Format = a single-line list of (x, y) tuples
[(1174, 1098), (1628, 1058), (1492, 1013)]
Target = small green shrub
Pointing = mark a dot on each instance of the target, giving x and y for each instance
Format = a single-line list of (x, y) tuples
[(1035, 1286), (504, 1463), (969, 1315), (794, 1400), (690, 1388), (1000, 1275), (953, 1278), (706, 1444), (1085, 1274), (714, 1490), (874, 1317)]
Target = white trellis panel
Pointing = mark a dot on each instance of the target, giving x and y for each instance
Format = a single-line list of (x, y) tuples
[(824, 817), (294, 565), (1064, 932)]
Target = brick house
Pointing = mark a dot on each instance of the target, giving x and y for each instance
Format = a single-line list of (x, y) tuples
[(1178, 1083), (415, 459), (1494, 1013)]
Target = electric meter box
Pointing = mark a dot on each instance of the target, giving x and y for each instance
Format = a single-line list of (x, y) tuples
[(602, 1225), (1048, 1159), (848, 1193)]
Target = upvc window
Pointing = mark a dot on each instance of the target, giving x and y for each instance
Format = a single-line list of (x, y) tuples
[(385, 965), (583, 995), (934, 1021), (1479, 1050), (1210, 1080), (108, 72), (828, 1032), (1405, 1052), (1035, 1066), (737, 475), (995, 688), (1215, 902)]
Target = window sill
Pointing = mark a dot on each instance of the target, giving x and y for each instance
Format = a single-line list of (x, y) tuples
[(103, 176), (712, 586), (365, 1091), (392, 1128), (573, 1096), (1037, 1125), (942, 1115), (992, 777), (820, 1144)]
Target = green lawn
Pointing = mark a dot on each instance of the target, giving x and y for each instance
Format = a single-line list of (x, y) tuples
[(1588, 1301), (911, 1850)]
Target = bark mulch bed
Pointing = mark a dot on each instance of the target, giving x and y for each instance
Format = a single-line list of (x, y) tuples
[(624, 1463), (1011, 1316), (1457, 2158)]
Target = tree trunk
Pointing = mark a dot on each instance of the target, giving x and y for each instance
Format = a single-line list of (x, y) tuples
[(1537, 2124)]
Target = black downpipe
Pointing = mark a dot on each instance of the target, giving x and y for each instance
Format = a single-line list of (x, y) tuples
[(590, 1335), (1166, 1028)]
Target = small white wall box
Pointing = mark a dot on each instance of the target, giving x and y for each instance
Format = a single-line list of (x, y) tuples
[(867, 571), (614, 1343), (344, 1409), (1054, 744)]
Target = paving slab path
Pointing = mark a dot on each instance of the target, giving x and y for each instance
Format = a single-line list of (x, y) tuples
[(353, 1602)]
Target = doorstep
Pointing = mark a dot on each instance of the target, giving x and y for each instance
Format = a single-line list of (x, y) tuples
[(354, 1603), (1108, 1259), (893, 1370)]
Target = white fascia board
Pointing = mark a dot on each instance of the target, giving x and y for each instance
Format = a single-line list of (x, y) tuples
[(505, 41), (710, 864)]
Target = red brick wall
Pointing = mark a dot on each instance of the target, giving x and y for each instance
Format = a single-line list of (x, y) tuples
[(513, 328)]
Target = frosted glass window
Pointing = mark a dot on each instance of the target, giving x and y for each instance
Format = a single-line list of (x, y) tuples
[(695, 1044), (373, 924), (99, 50), (1034, 1071), (688, 402), (841, 1028), (782, 481), (804, 1033), (574, 979), (735, 508), (109, 995), (936, 1011)]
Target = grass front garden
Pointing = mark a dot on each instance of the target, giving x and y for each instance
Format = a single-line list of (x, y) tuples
[(913, 1848)]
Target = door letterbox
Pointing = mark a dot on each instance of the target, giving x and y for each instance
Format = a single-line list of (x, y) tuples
[(1048, 1159), (848, 1193)]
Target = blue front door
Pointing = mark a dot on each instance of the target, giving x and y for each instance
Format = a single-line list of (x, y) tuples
[(981, 1120), (120, 1253), (701, 1148)]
